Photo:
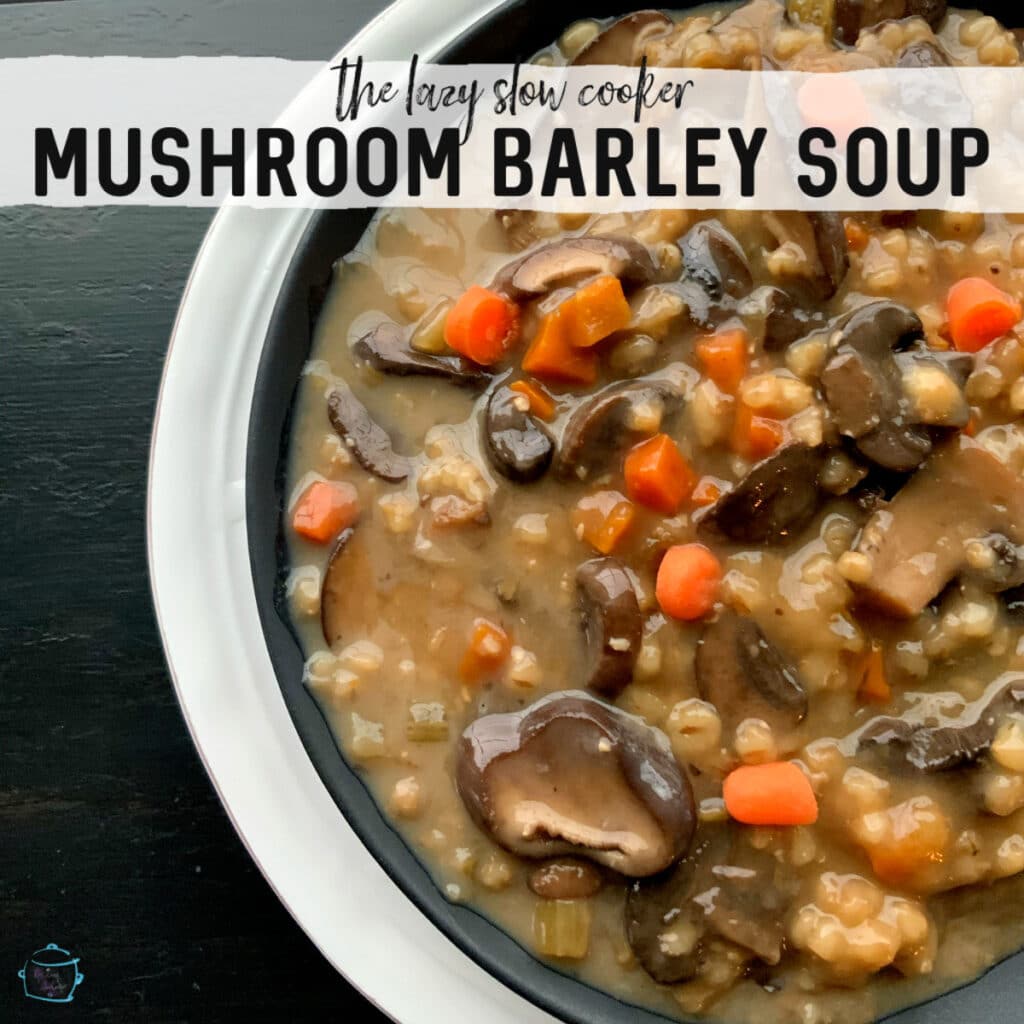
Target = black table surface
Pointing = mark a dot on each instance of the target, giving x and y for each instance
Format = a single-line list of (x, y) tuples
[(112, 841)]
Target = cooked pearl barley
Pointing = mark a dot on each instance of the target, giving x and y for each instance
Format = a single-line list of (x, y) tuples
[(648, 662), (645, 417), (866, 792), (576, 36), (363, 656), (366, 738), (807, 358), (303, 589), (1008, 746), (407, 797), (776, 395), (495, 872), (532, 528), (712, 809), (933, 394), (1010, 856), (808, 427), (523, 668), (1004, 794), (334, 456), (754, 742), (854, 567), (694, 728), (399, 512), (711, 414)]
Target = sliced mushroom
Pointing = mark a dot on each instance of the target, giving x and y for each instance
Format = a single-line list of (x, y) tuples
[(923, 54), (386, 350), (774, 501), (518, 447), (789, 314), (723, 888), (845, 19), (594, 429), (566, 879), (612, 624), (863, 386), (617, 44), (940, 748), (743, 674), (368, 441), (347, 604), (917, 544), (716, 261), (821, 238), (568, 259), (571, 775)]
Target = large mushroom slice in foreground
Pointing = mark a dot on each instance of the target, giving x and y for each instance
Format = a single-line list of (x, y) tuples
[(918, 543), (573, 775)]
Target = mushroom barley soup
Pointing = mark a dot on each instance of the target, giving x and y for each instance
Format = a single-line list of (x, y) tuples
[(662, 573)]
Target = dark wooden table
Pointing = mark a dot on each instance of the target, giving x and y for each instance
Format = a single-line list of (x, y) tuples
[(112, 842)]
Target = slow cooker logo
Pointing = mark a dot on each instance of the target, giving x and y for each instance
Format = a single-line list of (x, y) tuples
[(51, 974)]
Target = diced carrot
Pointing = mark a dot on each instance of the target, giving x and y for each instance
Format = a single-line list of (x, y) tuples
[(595, 310), (979, 312), (688, 582), (770, 794), (707, 492), (857, 236), (658, 476), (874, 686), (552, 358), (482, 325), (724, 357), (603, 519), (488, 648), (972, 425), (753, 436), (542, 405), (324, 510)]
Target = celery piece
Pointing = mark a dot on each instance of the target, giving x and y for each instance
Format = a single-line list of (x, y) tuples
[(428, 722), (561, 928)]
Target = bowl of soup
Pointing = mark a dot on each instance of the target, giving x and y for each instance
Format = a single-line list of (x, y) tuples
[(646, 589)]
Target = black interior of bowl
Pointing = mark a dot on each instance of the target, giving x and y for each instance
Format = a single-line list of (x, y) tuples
[(514, 31)]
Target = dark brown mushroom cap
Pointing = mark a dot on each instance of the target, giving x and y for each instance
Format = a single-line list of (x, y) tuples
[(386, 349), (517, 445), (917, 543), (716, 261), (941, 748), (744, 675), (368, 442), (863, 386), (833, 251), (570, 259), (590, 434), (775, 501), (573, 775), (345, 606), (616, 45), (789, 314), (722, 888), (611, 622)]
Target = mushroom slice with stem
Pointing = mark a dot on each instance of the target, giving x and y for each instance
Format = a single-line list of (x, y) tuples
[(716, 261), (744, 675), (571, 775), (845, 19), (386, 349), (569, 259), (918, 543), (774, 501), (942, 747), (517, 446), (593, 427), (368, 441), (818, 256), (617, 44), (612, 624)]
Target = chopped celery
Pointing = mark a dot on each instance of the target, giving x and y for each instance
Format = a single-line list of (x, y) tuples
[(562, 928), (428, 722)]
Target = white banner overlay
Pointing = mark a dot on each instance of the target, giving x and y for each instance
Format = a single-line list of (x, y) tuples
[(266, 132)]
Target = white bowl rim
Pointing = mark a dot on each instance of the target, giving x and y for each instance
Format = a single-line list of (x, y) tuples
[(206, 610)]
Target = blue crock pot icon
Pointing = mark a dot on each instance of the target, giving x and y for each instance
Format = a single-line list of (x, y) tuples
[(51, 974)]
